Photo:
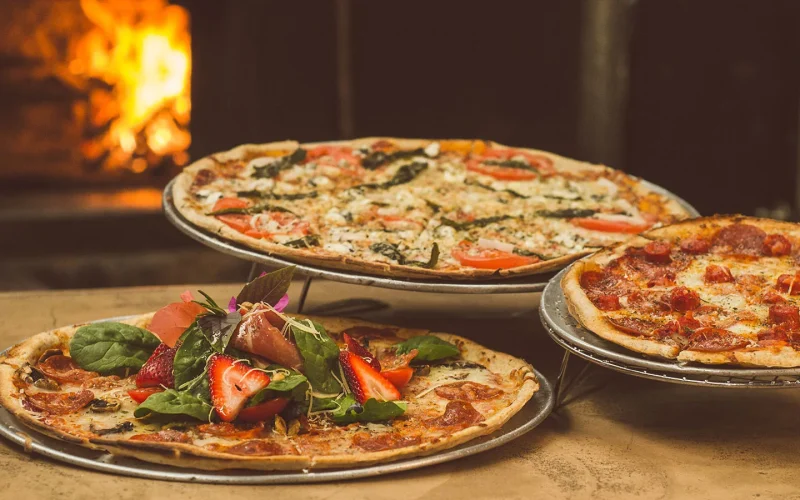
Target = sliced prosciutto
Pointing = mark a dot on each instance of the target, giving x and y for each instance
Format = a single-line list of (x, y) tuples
[(257, 335)]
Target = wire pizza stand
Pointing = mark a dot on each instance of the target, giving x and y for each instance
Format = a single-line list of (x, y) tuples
[(532, 414), (576, 340)]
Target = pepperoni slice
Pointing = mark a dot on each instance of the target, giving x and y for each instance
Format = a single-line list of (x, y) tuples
[(683, 299), (709, 339), (789, 283), (776, 245), (787, 314), (665, 278), (165, 436), (256, 447), (657, 251), (606, 302), (64, 370), (718, 274), (468, 391), (385, 441), (771, 297), (669, 330), (688, 324), (60, 403), (695, 245), (634, 326), (739, 239), (457, 413), (597, 280)]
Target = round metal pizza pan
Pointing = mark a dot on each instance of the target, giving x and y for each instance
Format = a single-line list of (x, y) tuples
[(525, 284), (569, 334), (531, 415)]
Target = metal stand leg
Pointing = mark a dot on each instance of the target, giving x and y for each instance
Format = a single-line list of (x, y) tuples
[(561, 376), (303, 294), (253, 272)]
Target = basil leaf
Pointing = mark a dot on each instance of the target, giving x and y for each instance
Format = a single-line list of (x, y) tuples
[(519, 164), (430, 348), (191, 357), (282, 163), (254, 193), (378, 158), (255, 209), (172, 402), (109, 347), (269, 288), (431, 262), (308, 241), (320, 359), (371, 411), (218, 330), (566, 213), (388, 250), (404, 174)]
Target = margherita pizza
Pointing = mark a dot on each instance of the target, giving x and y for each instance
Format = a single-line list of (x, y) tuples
[(417, 208), (722, 289), (247, 386)]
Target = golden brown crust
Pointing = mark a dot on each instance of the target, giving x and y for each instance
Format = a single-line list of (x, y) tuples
[(188, 209), (189, 455), (593, 319)]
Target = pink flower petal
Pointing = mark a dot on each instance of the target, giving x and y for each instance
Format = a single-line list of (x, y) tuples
[(281, 305), (263, 273), (187, 296), (232, 305)]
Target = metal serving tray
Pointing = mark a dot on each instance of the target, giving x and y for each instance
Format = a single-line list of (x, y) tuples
[(525, 284), (570, 335), (531, 415)]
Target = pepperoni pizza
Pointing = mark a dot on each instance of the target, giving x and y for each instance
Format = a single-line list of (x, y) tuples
[(722, 289)]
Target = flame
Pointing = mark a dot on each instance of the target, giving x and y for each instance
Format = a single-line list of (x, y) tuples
[(141, 52)]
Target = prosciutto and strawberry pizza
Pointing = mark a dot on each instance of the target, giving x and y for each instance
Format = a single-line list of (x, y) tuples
[(417, 208), (245, 385), (715, 290)]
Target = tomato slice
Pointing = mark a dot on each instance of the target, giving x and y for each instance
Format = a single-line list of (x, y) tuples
[(500, 173), (224, 203), (488, 258), (139, 395), (542, 164), (169, 322), (610, 226), (399, 377), (335, 153), (263, 411)]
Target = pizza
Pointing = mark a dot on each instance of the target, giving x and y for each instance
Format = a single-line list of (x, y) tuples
[(713, 290), (200, 385), (417, 208)]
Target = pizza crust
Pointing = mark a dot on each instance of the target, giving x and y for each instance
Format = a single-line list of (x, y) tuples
[(592, 318), (189, 455), (194, 214)]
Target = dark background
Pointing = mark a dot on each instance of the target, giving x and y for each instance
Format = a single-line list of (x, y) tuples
[(699, 96)]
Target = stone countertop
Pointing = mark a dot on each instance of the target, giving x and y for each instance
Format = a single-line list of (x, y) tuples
[(614, 437)]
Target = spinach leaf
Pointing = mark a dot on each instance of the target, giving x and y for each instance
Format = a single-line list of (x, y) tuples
[(287, 383), (490, 188), (218, 329), (172, 402), (404, 174), (388, 250), (253, 193), (566, 213), (110, 347), (191, 357), (282, 163), (371, 411), (320, 358), (308, 241), (430, 348), (378, 158), (463, 226), (293, 386), (269, 288), (528, 253), (431, 262), (255, 209)]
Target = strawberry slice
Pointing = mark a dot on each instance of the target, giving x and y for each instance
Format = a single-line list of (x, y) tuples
[(399, 377), (365, 381), (139, 395), (356, 348), (157, 370), (231, 383)]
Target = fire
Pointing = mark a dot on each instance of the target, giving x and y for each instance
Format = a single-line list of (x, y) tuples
[(139, 56)]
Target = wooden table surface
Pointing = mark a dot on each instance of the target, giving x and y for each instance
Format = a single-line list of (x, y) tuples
[(614, 437)]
